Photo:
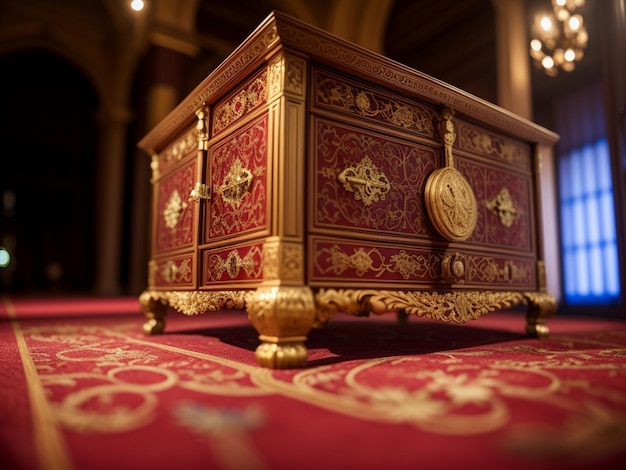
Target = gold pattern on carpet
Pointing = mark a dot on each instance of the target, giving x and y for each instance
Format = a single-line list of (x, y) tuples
[(462, 392)]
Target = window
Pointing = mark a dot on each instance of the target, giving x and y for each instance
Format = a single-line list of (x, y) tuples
[(590, 267), (588, 235)]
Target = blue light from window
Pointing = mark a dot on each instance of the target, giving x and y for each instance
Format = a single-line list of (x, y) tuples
[(588, 235)]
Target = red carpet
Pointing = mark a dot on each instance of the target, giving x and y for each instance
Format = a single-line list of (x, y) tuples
[(85, 390)]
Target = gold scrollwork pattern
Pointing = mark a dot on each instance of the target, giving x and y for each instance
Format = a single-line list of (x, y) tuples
[(249, 97), (233, 264), (286, 73), (372, 261), (502, 206), (487, 269), (173, 272), (175, 152), (195, 302), (476, 140), (366, 181), (173, 210), (456, 307), (236, 184), (339, 94)]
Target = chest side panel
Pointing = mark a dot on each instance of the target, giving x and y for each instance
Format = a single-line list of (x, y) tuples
[(503, 201), (175, 215)]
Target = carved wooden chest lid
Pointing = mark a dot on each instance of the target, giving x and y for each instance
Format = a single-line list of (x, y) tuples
[(279, 31)]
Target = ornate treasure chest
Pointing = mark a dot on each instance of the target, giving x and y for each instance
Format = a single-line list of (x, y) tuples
[(307, 176)]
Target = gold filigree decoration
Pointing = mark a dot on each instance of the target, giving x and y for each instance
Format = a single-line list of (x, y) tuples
[(502, 206), (179, 149), (294, 77), (175, 273), (449, 134), (457, 307), (476, 140), (286, 73), (174, 208), (234, 263), (196, 302), (249, 97), (372, 261), (283, 261), (154, 166), (339, 94), (236, 183), (202, 127), (488, 270), (366, 182)]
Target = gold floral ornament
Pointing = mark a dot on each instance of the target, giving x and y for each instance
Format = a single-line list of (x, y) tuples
[(502, 206), (236, 184), (174, 208), (368, 184)]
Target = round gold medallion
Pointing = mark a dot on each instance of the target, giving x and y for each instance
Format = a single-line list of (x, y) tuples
[(451, 204)]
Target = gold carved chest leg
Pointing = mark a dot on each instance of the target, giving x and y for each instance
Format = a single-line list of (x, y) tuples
[(283, 316)]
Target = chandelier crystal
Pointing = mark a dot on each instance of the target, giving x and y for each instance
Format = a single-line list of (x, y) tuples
[(558, 39)]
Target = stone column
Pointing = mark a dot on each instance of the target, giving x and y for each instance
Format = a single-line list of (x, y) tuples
[(109, 198), (165, 69), (514, 80)]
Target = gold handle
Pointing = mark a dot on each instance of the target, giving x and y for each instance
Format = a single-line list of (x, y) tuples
[(236, 184), (453, 269), (200, 191), (366, 181)]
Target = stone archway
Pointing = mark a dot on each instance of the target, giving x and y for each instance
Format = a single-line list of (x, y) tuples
[(47, 179)]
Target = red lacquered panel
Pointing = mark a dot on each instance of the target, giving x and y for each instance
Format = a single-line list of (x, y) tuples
[(345, 260), (367, 181), (239, 264), (495, 146), (248, 97), (174, 272), (239, 182), (504, 201), (175, 214)]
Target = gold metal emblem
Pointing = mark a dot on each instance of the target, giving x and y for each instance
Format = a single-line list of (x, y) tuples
[(450, 201), (235, 185), (502, 206), (366, 182)]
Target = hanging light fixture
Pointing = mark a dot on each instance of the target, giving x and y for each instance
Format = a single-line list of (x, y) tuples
[(558, 39)]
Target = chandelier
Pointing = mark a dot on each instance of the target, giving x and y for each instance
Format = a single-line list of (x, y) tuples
[(559, 39)]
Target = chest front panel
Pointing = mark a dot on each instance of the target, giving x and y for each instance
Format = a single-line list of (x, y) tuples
[(369, 182)]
